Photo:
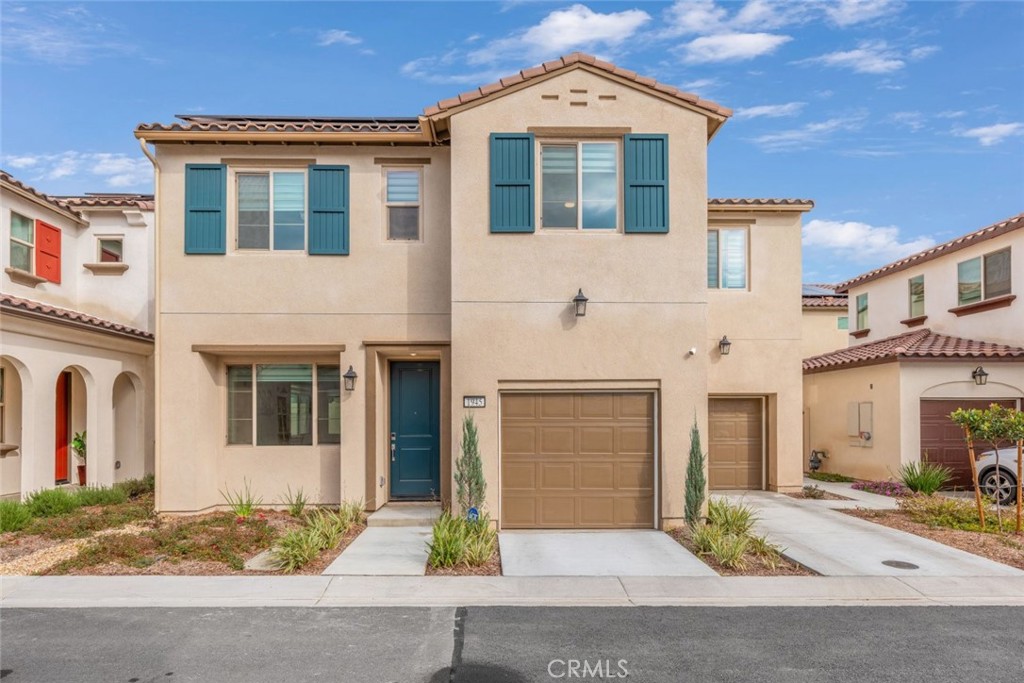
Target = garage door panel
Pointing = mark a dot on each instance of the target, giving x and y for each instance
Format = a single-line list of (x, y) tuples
[(942, 441), (554, 476), (583, 461), (523, 406), (735, 444)]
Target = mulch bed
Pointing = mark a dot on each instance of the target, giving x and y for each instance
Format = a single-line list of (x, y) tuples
[(756, 566), (1006, 548), (826, 495), (491, 568)]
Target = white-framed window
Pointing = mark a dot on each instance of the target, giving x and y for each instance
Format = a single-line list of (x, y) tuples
[(23, 242), (403, 203), (579, 185), (983, 277), (283, 404), (271, 210), (110, 249), (915, 293), (862, 311), (843, 322), (727, 258)]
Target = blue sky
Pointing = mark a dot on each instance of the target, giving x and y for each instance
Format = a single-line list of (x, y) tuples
[(904, 121)]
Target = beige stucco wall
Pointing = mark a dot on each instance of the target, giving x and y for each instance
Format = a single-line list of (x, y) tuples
[(763, 323), (382, 291), (888, 298), (820, 331)]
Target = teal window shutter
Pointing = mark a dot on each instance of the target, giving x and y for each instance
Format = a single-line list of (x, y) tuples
[(646, 183), (206, 191), (512, 182), (328, 210)]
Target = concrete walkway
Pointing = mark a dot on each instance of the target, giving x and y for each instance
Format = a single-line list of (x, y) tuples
[(858, 499), (345, 591), (596, 553), (384, 551), (835, 544)]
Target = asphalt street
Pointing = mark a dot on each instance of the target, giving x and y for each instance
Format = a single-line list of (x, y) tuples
[(512, 644)]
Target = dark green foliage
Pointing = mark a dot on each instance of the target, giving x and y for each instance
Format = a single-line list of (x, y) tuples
[(696, 480), (470, 485)]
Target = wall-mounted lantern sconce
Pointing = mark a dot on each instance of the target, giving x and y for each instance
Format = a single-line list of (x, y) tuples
[(350, 379), (979, 376), (580, 302), (724, 346)]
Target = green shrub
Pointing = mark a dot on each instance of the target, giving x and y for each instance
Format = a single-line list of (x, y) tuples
[(925, 477), (13, 516), (940, 511), (813, 492), (242, 503), (296, 502), (728, 549), (51, 502), (456, 541), (136, 488), (326, 528), (696, 482), (470, 485), (704, 538), (769, 553), (351, 513), (731, 519), (100, 495), (295, 549), (830, 476)]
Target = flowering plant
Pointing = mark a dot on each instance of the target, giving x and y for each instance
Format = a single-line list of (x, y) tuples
[(893, 489)]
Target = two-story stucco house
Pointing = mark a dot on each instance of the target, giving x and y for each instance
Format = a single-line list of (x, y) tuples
[(334, 296), (932, 332), (825, 320), (75, 341)]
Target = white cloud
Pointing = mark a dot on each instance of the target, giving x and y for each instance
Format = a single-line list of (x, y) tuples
[(336, 36), (731, 47), (772, 111), (808, 135), (849, 12), (92, 170), (564, 30), (702, 17), (700, 84), (694, 16), (861, 242), (870, 57), (923, 52), (914, 120), (437, 70), (951, 114), (58, 34), (992, 135)]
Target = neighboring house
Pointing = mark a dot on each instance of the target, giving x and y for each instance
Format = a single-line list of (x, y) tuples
[(825, 321), (76, 343), (334, 296), (932, 332)]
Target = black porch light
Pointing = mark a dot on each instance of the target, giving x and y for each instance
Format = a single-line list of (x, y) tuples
[(724, 346), (580, 302), (350, 379), (979, 376)]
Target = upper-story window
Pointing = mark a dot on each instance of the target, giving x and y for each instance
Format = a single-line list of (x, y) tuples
[(403, 193), (843, 322), (580, 185), (862, 311), (915, 293), (983, 277), (272, 210), (727, 258), (111, 249), (23, 240)]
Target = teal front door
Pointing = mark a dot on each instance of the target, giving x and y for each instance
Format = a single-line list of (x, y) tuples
[(415, 430)]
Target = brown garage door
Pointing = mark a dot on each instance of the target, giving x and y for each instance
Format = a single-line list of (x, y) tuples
[(577, 461), (736, 444), (943, 441)]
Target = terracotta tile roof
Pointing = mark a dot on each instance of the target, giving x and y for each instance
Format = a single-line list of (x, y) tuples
[(54, 202), (825, 302), (918, 344), (103, 200), (574, 60), (740, 201), (286, 124), (15, 304), (986, 233)]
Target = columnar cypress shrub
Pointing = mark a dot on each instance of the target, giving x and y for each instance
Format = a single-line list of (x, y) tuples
[(470, 485), (696, 482)]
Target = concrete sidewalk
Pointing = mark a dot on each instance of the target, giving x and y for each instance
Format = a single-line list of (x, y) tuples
[(343, 591), (836, 544)]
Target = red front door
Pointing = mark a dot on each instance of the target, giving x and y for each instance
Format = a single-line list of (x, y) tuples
[(62, 426)]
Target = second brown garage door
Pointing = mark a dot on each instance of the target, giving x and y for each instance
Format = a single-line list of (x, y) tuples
[(577, 461), (736, 443), (943, 441)]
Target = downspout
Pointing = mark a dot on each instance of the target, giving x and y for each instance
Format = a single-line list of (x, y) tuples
[(156, 320)]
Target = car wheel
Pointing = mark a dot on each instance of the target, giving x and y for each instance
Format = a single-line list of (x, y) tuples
[(1000, 485)]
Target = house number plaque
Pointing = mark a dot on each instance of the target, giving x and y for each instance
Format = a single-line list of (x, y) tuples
[(474, 402)]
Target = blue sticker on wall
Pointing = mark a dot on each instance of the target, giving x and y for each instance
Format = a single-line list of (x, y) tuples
[(473, 515)]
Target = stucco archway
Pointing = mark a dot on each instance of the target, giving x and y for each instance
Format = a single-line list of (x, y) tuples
[(72, 389), (14, 383), (129, 453)]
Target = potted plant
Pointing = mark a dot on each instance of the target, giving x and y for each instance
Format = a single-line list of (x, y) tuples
[(78, 447)]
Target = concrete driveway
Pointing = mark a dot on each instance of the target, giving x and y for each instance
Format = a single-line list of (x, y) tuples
[(596, 553), (836, 544)]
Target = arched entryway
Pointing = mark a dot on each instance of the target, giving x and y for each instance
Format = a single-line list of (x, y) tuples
[(70, 419), (13, 376), (129, 457)]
